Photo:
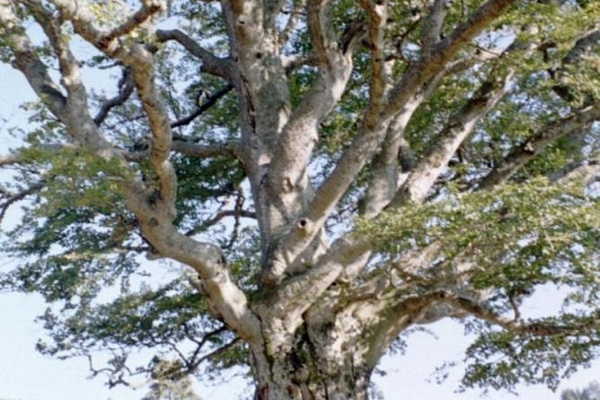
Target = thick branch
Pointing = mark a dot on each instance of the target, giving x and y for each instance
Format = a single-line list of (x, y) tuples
[(191, 149), (143, 77), (155, 222), (11, 159), (299, 293), (299, 135), (370, 138), (287, 177), (584, 172), (226, 298), (377, 12), (27, 61), (432, 26), (321, 36), (586, 45), (386, 175), (424, 175)]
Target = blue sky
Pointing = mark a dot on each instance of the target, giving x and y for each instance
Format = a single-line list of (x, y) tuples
[(27, 375)]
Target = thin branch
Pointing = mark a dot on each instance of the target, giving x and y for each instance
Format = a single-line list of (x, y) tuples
[(125, 91), (218, 217), (218, 351), (13, 198), (291, 23), (134, 21), (210, 101), (549, 133), (517, 326), (442, 53), (193, 363)]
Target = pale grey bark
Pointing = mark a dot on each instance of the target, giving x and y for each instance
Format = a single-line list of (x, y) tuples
[(155, 222), (423, 176), (318, 332)]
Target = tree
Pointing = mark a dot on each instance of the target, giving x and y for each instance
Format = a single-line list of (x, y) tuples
[(331, 174), (166, 386), (591, 392)]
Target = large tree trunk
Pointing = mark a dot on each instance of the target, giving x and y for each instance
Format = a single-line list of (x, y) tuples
[(317, 365)]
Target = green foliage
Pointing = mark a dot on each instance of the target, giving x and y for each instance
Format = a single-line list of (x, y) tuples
[(519, 237), (80, 246), (501, 359), (165, 387), (516, 229)]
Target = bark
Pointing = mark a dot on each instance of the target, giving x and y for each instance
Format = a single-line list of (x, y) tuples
[(317, 365), (321, 318)]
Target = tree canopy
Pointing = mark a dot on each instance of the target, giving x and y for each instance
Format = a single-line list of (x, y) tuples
[(590, 392), (292, 186)]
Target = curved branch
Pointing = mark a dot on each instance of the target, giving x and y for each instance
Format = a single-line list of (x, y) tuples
[(134, 21), (27, 61), (518, 326), (218, 217), (210, 63), (125, 91), (155, 220), (13, 198)]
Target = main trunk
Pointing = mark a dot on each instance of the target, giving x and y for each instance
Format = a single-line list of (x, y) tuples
[(312, 367)]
